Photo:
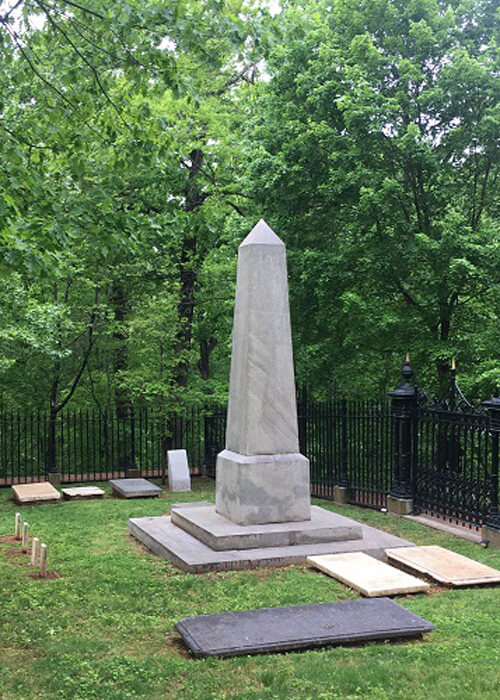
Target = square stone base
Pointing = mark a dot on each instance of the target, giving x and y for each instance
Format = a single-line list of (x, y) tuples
[(341, 495), (221, 534), (188, 553), (491, 534), (261, 489), (399, 506)]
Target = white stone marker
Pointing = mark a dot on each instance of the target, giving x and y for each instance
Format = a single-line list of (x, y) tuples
[(261, 476), (43, 560), (24, 544), (34, 551), (444, 566), (17, 530), (179, 478), (368, 575)]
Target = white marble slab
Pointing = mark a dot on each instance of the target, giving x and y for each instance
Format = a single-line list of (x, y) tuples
[(75, 493), (41, 492), (179, 478), (367, 575), (443, 565)]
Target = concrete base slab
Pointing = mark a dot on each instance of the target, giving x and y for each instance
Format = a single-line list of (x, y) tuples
[(368, 575), (221, 534), (299, 627), (80, 493), (440, 564), (42, 492), (189, 554), (134, 488)]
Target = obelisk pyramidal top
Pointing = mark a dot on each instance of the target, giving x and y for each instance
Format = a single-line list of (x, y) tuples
[(262, 414), (261, 477)]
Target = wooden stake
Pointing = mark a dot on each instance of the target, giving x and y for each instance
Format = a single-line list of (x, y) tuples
[(24, 545), (17, 531), (43, 560), (34, 551)]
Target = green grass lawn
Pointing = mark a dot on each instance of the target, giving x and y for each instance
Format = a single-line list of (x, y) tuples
[(105, 629)]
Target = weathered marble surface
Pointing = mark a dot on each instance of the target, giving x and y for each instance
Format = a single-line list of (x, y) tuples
[(368, 575), (41, 492), (261, 477), (262, 412), (179, 478), (221, 534), (263, 488), (443, 565)]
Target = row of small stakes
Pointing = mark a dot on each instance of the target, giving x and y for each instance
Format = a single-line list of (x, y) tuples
[(38, 551)]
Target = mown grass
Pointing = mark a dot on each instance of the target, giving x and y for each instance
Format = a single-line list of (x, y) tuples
[(106, 628)]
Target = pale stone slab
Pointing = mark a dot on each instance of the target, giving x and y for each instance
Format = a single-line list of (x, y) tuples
[(189, 554), (368, 575), (444, 566), (179, 478), (299, 627), (76, 493), (263, 488), (134, 488), (42, 492), (221, 534)]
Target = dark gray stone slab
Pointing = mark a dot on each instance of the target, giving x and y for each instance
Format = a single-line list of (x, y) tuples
[(134, 488), (222, 534), (299, 627), (189, 554)]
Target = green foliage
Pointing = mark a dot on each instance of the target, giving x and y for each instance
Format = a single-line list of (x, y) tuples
[(377, 155)]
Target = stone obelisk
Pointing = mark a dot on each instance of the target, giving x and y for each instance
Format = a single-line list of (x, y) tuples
[(261, 476)]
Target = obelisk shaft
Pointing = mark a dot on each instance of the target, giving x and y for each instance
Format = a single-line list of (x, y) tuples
[(262, 413), (261, 476)]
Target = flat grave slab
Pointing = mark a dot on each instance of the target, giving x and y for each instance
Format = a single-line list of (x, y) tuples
[(134, 488), (179, 478), (219, 533), (367, 575), (41, 492), (299, 627), (185, 551), (76, 493), (444, 566)]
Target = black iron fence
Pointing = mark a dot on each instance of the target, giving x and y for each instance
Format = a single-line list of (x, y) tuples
[(92, 445), (442, 460)]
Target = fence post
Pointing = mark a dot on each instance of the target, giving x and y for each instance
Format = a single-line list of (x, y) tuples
[(342, 491), (491, 527), (403, 405)]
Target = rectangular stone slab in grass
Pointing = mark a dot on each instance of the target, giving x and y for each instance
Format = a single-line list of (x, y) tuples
[(299, 627), (442, 565), (179, 478), (367, 575), (134, 488), (77, 493), (41, 492)]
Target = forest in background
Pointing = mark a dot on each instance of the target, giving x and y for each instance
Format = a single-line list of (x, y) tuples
[(141, 140)]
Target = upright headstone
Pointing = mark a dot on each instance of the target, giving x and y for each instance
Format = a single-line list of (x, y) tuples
[(178, 471), (261, 476)]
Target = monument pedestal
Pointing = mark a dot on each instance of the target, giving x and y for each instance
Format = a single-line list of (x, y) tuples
[(260, 489)]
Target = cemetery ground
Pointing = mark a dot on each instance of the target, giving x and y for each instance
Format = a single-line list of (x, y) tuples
[(105, 627)]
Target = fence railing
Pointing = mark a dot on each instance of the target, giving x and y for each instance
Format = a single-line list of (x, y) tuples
[(92, 445), (440, 460)]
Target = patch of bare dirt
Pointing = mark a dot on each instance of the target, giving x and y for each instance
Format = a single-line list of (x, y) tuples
[(49, 576), (15, 553), (9, 538)]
